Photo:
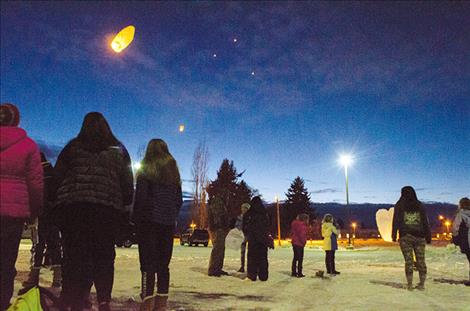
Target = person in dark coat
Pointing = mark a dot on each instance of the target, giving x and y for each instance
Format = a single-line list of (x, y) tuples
[(411, 222), (218, 220), (48, 246), (257, 231), (94, 182), (21, 193), (461, 232), (158, 200)]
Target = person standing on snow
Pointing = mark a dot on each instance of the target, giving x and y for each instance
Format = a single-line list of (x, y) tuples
[(461, 232), (299, 239), (256, 228), (49, 237), (94, 182), (329, 233), (157, 204), (217, 217), (411, 222), (21, 193), (240, 225)]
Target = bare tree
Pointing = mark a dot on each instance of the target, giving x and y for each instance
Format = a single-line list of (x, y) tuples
[(200, 182)]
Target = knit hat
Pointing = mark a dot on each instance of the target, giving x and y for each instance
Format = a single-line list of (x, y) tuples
[(246, 206), (9, 115)]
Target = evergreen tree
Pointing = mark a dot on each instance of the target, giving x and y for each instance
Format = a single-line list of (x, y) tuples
[(226, 186), (298, 201), (243, 195)]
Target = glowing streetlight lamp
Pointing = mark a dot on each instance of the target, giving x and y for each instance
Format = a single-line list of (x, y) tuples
[(192, 225), (441, 217), (276, 198), (181, 128), (346, 160), (137, 166), (354, 225)]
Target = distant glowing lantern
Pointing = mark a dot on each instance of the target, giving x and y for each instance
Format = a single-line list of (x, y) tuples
[(181, 128), (123, 39)]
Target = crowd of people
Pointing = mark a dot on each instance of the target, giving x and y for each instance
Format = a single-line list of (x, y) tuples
[(80, 203)]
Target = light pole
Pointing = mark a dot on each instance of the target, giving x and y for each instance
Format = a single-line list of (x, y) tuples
[(278, 221), (346, 160), (447, 223), (354, 225)]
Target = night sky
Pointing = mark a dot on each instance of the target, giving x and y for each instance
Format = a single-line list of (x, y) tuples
[(279, 88)]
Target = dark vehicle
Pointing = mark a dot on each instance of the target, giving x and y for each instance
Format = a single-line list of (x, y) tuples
[(196, 237), (127, 235)]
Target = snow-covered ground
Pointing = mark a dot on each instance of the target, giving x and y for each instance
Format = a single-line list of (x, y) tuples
[(369, 279)]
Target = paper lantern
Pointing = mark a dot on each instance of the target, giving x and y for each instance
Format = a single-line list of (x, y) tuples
[(384, 219), (123, 39)]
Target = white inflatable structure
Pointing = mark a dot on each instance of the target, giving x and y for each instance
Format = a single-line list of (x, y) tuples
[(234, 239), (384, 219)]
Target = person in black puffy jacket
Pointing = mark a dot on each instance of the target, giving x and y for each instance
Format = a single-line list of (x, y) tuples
[(157, 203), (256, 228), (93, 181)]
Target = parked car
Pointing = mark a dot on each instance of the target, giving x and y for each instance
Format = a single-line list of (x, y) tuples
[(195, 237)]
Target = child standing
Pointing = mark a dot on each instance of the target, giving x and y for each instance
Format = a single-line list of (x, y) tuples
[(330, 244), (299, 239)]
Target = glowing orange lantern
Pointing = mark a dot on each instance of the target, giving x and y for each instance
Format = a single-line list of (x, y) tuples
[(123, 39)]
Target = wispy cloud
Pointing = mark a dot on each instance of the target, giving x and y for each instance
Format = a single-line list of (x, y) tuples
[(326, 190)]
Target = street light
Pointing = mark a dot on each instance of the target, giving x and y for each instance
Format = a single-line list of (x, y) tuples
[(346, 160), (354, 225), (137, 166), (278, 221), (447, 223)]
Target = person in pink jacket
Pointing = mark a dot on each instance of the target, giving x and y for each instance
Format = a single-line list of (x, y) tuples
[(21, 192), (299, 239)]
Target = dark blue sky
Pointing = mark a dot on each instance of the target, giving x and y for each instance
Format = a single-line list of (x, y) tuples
[(388, 82)]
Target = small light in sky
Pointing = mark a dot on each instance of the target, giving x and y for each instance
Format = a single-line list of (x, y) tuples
[(123, 39), (181, 128), (214, 55), (235, 40), (252, 73)]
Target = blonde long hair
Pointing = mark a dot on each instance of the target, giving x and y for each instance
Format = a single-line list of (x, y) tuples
[(159, 165)]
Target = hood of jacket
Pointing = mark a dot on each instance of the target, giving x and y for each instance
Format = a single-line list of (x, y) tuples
[(10, 135), (465, 216)]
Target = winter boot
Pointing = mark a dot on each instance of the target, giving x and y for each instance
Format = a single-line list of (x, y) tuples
[(33, 278), (422, 279), (148, 304), (409, 281), (161, 302), (57, 276), (148, 284), (104, 306)]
